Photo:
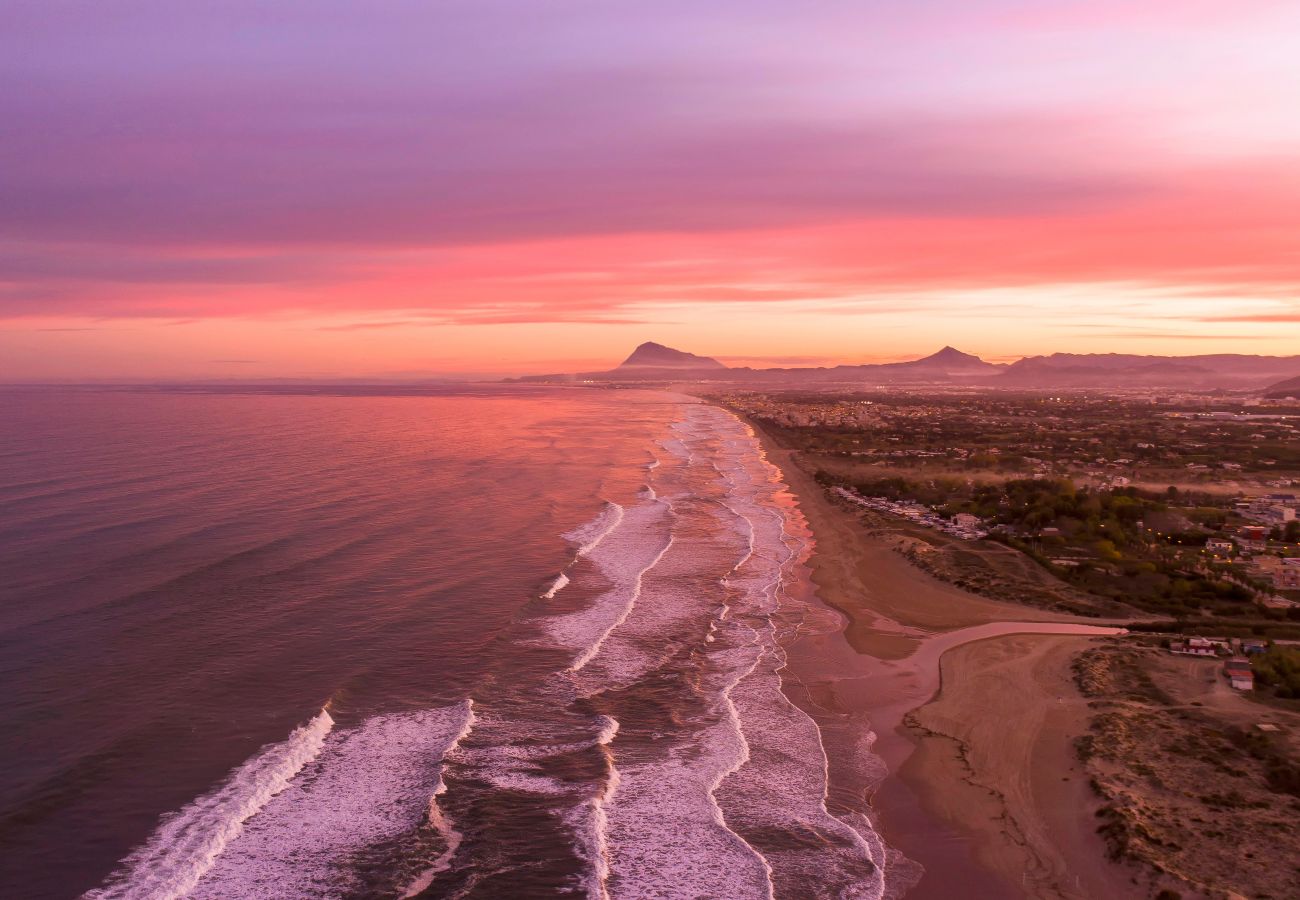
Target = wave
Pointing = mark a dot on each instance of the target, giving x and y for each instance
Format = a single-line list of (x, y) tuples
[(589, 535), (370, 791), (561, 581), (439, 821), (633, 594), (187, 844), (626, 549), (595, 847)]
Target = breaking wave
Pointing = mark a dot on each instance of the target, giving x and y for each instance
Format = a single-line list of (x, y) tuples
[(589, 535), (188, 843)]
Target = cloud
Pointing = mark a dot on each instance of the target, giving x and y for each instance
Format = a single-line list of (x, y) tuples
[(1183, 336), (1255, 317), (366, 326), (500, 162)]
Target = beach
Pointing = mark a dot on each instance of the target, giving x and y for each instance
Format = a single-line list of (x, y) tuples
[(967, 705)]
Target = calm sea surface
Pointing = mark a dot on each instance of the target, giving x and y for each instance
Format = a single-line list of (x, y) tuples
[(489, 642)]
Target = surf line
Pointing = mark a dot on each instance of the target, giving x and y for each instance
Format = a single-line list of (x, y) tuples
[(440, 821), (597, 840), (588, 537), (591, 651), (186, 845)]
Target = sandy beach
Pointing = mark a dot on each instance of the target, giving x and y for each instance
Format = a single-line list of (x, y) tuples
[(973, 712)]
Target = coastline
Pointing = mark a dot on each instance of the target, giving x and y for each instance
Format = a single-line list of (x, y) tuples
[(980, 786)]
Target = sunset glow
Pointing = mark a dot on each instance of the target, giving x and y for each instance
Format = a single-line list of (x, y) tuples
[(406, 190)]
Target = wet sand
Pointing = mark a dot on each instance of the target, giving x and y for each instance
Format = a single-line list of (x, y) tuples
[(982, 787)]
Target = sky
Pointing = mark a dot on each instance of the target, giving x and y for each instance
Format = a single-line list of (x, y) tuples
[(328, 189)]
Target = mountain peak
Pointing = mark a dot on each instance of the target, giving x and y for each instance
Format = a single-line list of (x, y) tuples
[(656, 356), (952, 358), (951, 354)]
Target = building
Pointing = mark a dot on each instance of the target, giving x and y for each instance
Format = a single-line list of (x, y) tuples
[(1219, 546), (1185, 648), (966, 520), (1273, 509), (1239, 674), (1199, 646), (1252, 537), (1242, 681)]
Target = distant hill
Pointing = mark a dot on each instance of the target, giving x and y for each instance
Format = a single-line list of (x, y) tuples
[(1117, 370), (656, 356), (1283, 389), (1223, 371), (655, 362)]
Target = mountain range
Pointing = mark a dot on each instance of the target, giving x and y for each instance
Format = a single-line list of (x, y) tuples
[(1222, 371)]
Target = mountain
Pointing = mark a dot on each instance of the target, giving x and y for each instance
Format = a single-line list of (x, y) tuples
[(1106, 371), (1283, 389), (949, 360), (655, 362), (656, 356), (1116, 370)]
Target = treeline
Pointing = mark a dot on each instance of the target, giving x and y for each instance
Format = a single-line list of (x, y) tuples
[(1279, 669), (1029, 504), (1102, 534)]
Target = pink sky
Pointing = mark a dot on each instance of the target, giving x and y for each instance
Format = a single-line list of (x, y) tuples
[(409, 189)]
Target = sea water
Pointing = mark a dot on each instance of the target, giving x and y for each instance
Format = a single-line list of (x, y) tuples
[(462, 642)]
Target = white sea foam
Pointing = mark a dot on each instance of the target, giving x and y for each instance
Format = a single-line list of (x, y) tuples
[(666, 836), (625, 552), (368, 784), (588, 536), (440, 821), (786, 779), (561, 581), (188, 843), (632, 593), (595, 837), (678, 820)]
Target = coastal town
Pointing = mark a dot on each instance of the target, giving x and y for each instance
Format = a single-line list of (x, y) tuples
[(1182, 506)]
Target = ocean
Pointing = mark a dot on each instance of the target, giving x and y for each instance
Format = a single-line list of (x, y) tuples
[(482, 641)]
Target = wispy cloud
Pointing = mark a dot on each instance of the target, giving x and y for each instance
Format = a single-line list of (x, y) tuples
[(367, 326), (1255, 317), (1181, 336)]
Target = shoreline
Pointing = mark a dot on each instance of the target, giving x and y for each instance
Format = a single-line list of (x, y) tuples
[(906, 674)]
